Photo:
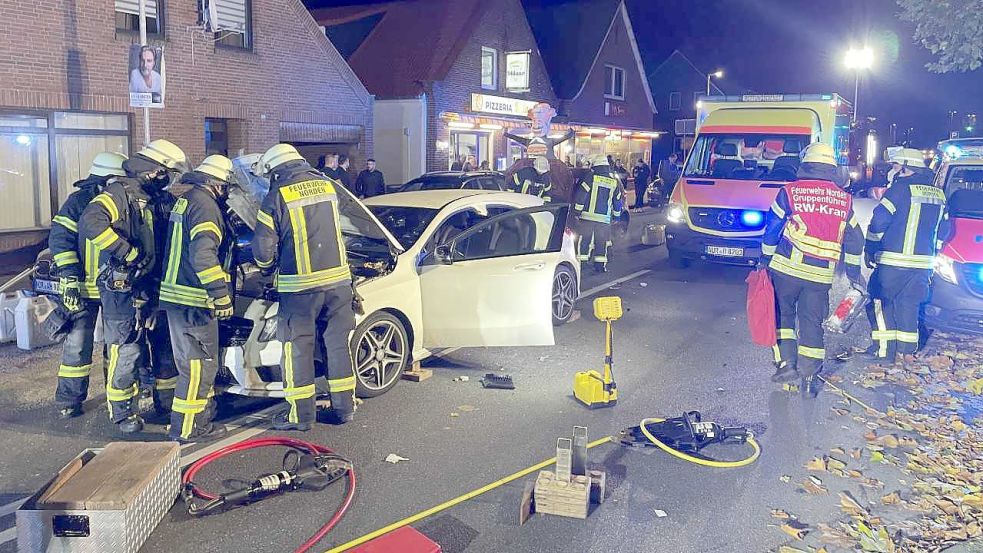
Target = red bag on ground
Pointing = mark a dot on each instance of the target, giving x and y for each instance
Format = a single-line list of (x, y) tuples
[(761, 319)]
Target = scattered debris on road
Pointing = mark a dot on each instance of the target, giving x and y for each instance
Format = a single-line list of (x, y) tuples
[(462, 379), (502, 382), (393, 458)]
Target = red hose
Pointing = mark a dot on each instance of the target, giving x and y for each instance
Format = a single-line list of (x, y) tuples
[(311, 448)]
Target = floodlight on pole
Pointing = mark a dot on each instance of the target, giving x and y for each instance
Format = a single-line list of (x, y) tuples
[(858, 59), (718, 74)]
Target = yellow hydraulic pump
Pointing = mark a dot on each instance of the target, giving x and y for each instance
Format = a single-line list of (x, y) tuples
[(591, 387)]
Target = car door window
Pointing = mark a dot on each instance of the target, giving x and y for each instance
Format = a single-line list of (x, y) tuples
[(519, 232), (489, 183), (472, 184)]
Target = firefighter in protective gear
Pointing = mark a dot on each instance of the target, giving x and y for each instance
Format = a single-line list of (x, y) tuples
[(298, 234), (598, 198), (534, 180), (810, 228), (901, 244), (76, 265), (195, 293), (121, 222)]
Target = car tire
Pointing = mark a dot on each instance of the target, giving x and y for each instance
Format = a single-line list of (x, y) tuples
[(565, 293), (677, 261), (375, 373)]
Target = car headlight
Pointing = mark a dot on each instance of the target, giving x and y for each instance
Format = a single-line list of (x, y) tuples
[(675, 213), (945, 267)]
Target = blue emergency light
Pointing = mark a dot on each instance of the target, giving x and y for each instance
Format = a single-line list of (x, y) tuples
[(752, 218)]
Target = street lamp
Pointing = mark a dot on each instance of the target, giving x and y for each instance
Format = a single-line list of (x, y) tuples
[(952, 113), (718, 74), (858, 60)]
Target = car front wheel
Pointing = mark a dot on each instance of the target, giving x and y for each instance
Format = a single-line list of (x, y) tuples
[(381, 352), (564, 294)]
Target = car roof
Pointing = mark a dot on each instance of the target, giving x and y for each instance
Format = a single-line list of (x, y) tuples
[(458, 174), (437, 199)]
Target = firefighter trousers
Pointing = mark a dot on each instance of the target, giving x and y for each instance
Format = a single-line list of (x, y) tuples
[(802, 306), (309, 320), (894, 311), (124, 348), (593, 241), (194, 338), (76, 358), (158, 371)]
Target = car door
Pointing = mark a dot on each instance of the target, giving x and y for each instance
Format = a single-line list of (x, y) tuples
[(492, 284)]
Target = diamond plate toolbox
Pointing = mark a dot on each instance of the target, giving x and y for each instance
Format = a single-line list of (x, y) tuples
[(106, 499)]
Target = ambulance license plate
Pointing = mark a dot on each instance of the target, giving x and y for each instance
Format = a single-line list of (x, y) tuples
[(725, 251)]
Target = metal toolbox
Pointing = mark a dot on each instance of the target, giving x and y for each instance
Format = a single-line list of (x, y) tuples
[(105, 499)]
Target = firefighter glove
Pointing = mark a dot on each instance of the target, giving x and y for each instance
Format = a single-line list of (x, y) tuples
[(223, 308), (132, 256), (869, 260), (71, 295)]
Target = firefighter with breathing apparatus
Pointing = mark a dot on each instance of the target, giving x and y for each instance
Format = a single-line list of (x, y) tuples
[(76, 265), (810, 228), (195, 293), (901, 248), (298, 235), (120, 225)]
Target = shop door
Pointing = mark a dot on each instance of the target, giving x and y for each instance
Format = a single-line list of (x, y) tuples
[(470, 147)]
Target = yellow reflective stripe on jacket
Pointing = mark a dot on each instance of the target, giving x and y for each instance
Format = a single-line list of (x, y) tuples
[(66, 258), (302, 392), (777, 209), (207, 226), (590, 216), (786, 334), (889, 206), (174, 256), (90, 289), (266, 219), (797, 233), (911, 228), (299, 283), (66, 222), (812, 353), (302, 254), (786, 266), (184, 295), (308, 192), (166, 383), (106, 238), (341, 384), (68, 371), (907, 337), (211, 274), (106, 201), (768, 249), (851, 259), (911, 261)]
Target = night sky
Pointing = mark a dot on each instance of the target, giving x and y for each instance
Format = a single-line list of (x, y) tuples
[(773, 46)]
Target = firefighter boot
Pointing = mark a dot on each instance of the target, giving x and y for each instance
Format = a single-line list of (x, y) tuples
[(208, 433), (70, 411), (130, 425), (281, 421), (784, 373)]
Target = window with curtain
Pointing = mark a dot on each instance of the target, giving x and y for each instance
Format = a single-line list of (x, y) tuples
[(128, 16)]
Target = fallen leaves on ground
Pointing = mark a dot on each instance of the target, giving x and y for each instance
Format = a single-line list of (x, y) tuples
[(795, 529), (814, 486)]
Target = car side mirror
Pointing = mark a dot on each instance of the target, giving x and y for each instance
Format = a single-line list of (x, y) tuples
[(443, 254)]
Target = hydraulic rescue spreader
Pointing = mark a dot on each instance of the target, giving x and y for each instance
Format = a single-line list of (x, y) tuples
[(591, 387)]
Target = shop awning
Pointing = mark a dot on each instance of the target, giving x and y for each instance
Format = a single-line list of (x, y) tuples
[(291, 131)]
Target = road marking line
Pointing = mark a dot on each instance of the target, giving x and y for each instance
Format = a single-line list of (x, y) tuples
[(605, 286)]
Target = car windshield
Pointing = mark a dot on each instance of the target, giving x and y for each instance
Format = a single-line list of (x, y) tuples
[(405, 223), (432, 182), (746, 156), (964, 187)]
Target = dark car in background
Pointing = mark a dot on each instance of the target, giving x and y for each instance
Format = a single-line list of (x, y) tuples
[(454, 180)]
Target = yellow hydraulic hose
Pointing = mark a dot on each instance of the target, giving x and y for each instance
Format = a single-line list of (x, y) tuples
[(699, 460)]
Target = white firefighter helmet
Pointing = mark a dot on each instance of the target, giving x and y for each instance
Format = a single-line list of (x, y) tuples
[(541, 165), (817, 152), (217, 166), (108, 164), (275, 157), (907, 156), (165, 153), (599, 160)]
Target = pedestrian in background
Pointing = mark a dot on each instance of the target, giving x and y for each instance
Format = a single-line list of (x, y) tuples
[(456, 165), (330, 167), (641, 174), (668, 174), (344, 176), (484, 166), (468, 164), (370, 181)]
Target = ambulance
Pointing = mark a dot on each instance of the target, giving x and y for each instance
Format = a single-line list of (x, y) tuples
[(746, 148)]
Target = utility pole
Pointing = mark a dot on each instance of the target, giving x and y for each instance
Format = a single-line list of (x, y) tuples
[(894, 136), (143, 42), (952, 114)]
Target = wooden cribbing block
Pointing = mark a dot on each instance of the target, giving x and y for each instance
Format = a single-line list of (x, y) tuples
[(558, 497)]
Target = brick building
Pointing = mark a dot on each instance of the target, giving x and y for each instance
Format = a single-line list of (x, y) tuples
[(267, 74), (592, 56), (449, 78), (676, 85)]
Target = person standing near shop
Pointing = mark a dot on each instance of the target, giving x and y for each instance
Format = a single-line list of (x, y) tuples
[(641, 173), (195, 295), (810, 227), (119, 222), (76, 265), (597, 199), (901, 248), (298, 235), (370, 181)]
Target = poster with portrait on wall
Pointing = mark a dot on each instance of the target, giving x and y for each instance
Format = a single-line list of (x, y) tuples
[(146, 76)]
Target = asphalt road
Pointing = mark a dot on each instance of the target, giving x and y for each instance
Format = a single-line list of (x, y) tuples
[(682, 345)]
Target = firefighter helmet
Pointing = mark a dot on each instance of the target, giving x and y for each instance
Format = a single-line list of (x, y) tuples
[(817, 152), (275, 157), (108, 164), (217, 166), (599, 160), (907, 156), (541, 165), (165, 153)]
